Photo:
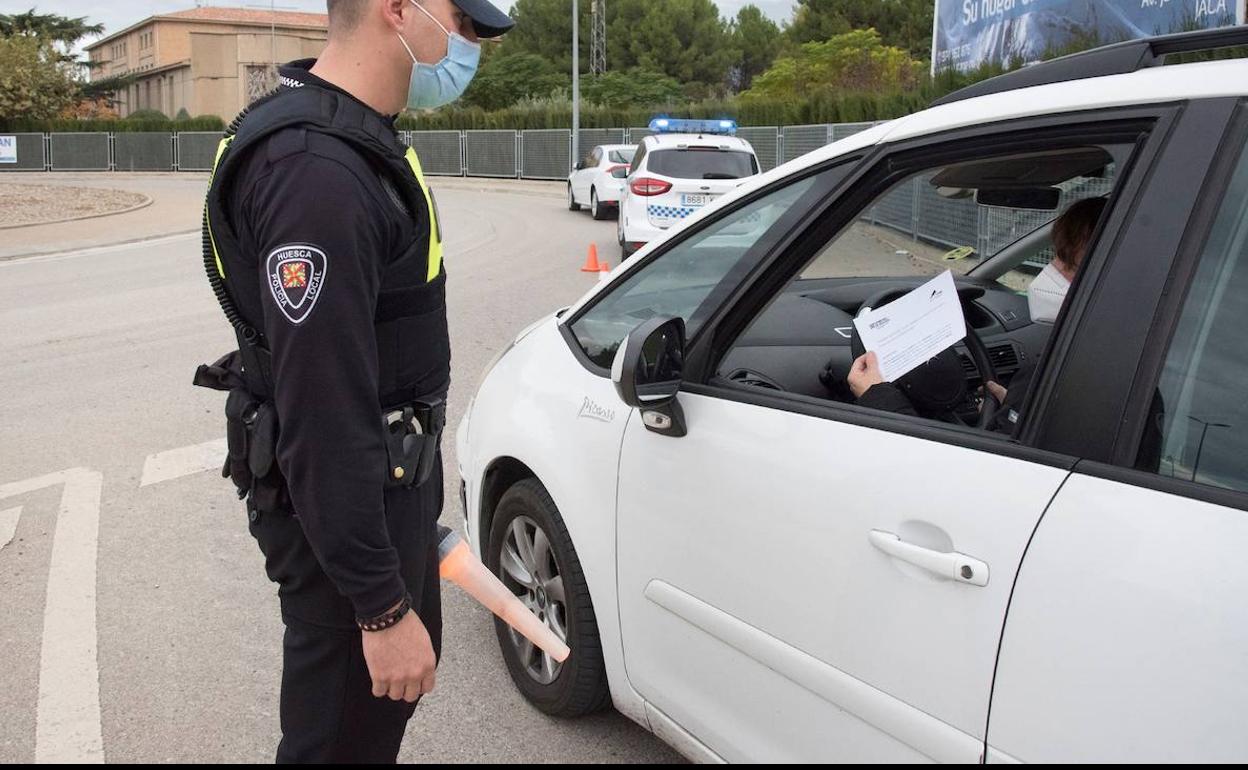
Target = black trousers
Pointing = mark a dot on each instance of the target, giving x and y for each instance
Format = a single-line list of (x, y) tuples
[(328, 712)]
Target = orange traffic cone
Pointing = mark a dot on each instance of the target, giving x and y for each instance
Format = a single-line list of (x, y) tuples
[(604, 272), (591, 262)]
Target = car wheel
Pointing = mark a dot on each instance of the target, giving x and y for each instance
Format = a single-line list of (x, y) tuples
[(531, 552), (572, 204), (596, 209)]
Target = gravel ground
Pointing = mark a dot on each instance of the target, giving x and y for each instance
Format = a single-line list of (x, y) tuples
[(31, 204)]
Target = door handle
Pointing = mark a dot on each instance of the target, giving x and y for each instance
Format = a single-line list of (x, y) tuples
[(954, 566)]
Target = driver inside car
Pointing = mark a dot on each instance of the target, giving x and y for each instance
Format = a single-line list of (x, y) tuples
[(1071, 234)]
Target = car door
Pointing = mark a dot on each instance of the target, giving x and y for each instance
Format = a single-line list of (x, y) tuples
[(809, 581), (1126, 636), (582, 178)]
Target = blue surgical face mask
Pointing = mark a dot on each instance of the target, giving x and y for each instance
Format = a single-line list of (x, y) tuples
[(433, 85)]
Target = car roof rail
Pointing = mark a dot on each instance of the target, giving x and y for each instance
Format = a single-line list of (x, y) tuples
[(1114, 59)]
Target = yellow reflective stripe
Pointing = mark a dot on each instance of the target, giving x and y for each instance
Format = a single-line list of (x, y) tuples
[(215, 162), (435, 243)]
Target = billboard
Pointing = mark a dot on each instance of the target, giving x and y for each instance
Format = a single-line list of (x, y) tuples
[(968, 33)]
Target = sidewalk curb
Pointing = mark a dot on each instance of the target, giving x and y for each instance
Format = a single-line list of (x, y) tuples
[(147, 201)]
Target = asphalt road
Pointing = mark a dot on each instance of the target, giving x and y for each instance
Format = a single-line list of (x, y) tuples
[(138, 624)]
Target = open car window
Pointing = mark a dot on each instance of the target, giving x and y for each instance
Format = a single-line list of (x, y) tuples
[(995, 207), (958, 217)]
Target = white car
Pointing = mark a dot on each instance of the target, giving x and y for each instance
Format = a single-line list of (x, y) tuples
[(756, 568), (597, 180), (681, 168)]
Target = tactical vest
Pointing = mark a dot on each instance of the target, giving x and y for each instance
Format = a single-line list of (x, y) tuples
[(410, 320)]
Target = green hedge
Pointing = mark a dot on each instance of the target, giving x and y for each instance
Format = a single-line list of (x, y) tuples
[(842, 108), (201, 123)]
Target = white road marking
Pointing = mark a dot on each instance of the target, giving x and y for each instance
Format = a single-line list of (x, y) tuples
[(67, 721), (176, 463), (8, 524)]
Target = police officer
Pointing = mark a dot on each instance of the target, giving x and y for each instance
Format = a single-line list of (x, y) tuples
[(323, 245)]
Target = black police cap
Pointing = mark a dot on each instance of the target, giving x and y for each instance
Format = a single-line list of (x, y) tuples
[(487, 20)]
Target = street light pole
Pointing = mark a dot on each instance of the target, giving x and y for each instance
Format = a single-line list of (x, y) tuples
[(576, 85), (273, 38)]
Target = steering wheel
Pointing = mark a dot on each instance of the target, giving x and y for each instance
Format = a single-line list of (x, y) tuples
[(974, 345)]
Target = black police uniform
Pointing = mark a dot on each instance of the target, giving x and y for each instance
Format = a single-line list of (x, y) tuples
[(326, 242)]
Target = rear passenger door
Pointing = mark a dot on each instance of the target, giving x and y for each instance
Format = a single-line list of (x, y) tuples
[(1127, 633)]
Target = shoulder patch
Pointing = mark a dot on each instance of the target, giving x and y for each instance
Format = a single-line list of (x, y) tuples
[(296, 275)]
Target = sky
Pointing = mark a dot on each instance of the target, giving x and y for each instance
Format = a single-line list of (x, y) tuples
[(120, 14)]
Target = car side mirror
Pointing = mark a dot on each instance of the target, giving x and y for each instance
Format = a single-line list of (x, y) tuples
[(580, 165), (647, 373)]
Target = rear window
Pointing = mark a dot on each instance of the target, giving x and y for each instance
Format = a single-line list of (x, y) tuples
[(696, 163), (621, 156)]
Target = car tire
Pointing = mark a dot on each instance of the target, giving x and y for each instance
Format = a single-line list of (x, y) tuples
[(572, 204), (596, 209), (578, 686)]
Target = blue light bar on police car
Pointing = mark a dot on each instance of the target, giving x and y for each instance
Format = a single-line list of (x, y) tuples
[(689, 126)]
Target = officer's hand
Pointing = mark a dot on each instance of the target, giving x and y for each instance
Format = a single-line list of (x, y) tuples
[(864, 373), (400, 660)]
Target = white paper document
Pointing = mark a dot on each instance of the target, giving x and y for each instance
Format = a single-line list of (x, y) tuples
[(910, 330)]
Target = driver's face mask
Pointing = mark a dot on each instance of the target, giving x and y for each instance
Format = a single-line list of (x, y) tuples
[(1046, 294)]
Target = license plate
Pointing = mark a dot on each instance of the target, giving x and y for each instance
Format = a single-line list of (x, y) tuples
[(696, 200)]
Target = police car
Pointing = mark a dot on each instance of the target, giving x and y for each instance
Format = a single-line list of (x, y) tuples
[(683, 166), (755, 567), (597, 180)]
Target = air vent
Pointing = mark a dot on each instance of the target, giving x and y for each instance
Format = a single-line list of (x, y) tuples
[(1004, 359)]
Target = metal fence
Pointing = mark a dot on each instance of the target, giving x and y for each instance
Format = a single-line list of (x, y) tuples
[(441, 153), (197, 150), (31, 153), (913, 207), (492, 153), (545, 153), (531, 154), (796, 141), (143, 151), (81, 152)]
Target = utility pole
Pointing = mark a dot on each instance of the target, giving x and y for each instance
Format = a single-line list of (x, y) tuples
[(598, 47), (576, 84)]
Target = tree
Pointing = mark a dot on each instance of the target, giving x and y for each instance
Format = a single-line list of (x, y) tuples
[(48, 27), (58, 35), (506, 79), (635, 88), (544, 28), (683, 39), (902, 23), (855, 62), (757, 40), (34, 81)]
